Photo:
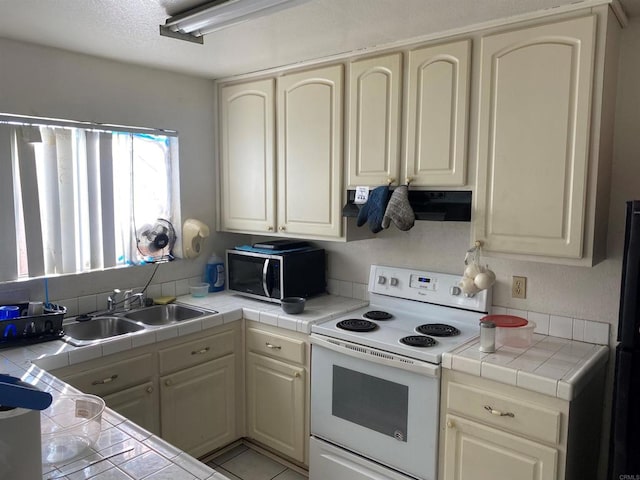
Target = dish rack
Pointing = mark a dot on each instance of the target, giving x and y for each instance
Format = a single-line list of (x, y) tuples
[(29, 329)]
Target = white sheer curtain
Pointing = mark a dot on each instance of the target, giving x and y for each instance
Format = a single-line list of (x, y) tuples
[(72, 197)]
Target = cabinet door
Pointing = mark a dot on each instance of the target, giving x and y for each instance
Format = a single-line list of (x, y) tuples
[(310, 152), (197, 406), (534, 121), (438, 101), (247, 157), (275, 403), (139, 404), (375, 89), (476, 452)]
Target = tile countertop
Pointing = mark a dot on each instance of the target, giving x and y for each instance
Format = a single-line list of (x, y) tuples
[(151, 458), (553, 366)]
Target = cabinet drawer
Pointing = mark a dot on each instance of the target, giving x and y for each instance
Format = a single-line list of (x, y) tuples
[(196, 351), (275, 345), (526, 419), (115, 376)]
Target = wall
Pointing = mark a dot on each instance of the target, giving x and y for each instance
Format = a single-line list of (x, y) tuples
[(48, 82)]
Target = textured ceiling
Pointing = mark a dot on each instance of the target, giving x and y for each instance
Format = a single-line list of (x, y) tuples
[(127, 30)]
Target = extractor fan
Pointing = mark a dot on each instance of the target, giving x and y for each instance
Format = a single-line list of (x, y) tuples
[(155, 242)]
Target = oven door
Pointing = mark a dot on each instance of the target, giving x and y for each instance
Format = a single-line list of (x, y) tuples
[(378, 405)]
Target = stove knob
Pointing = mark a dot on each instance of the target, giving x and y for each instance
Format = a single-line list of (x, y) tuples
[(394, 281), (455, 290), (382, 280)]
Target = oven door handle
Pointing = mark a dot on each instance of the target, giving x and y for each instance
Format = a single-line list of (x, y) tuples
[(375, 356)]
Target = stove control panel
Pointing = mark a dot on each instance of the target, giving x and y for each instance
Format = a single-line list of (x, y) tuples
[(432, 287), (423, 282)]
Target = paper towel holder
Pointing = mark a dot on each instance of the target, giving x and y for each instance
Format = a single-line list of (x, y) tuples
[(193, 232)]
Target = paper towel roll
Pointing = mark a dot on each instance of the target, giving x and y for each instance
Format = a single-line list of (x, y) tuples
[(193, 232), (20, 444)]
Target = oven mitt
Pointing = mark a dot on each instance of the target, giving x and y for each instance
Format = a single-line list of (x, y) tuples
[(399, 210), (373, 211)]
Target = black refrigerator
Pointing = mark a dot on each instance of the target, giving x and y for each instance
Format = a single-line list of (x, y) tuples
[(624, 453)]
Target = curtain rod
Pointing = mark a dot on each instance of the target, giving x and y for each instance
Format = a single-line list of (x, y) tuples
[(42, 121)]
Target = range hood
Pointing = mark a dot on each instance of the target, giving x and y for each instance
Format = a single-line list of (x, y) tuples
[(439, 206)]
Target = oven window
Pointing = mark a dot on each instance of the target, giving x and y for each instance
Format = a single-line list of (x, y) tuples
[(371, 402)]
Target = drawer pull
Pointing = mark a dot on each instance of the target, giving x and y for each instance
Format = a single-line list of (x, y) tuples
[(498, 413), (200, 352), (273, 347), (105, 380)]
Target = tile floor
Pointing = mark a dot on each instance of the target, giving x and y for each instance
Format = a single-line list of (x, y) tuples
[(243, 463)]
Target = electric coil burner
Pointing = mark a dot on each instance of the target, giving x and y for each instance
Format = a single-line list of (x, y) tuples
[(377, 315), (438, 330), (418, 341), (356, 325)]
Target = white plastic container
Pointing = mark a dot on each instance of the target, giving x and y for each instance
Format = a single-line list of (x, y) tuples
[(214, 273), (520, 337)]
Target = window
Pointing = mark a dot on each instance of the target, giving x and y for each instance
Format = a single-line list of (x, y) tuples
[(74, 195)]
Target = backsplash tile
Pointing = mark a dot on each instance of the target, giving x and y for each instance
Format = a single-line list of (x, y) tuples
[(542, 322), (560, 326), (595, 332), (578, 329)]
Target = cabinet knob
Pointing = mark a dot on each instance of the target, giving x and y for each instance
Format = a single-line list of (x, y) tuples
[(450, 424), (149, 389), (105, 380), (168, 383), (270, 228), (498, 413), (282, 228), (296, 375)]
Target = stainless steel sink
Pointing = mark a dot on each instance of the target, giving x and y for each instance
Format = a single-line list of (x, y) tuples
[(163, 314), (99, 328)]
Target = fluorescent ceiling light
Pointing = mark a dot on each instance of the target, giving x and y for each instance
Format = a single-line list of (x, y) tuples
[(220, 14)]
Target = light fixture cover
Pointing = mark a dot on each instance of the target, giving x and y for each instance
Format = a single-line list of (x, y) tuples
[(218, 15)]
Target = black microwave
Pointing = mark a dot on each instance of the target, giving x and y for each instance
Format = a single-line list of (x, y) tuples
[(275, 276)]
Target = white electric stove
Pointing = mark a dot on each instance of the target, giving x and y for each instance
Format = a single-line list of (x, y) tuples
[(375, 377)]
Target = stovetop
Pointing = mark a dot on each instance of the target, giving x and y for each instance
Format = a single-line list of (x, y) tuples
[(413, 298)]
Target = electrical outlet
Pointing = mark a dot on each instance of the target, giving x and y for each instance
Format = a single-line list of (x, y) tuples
[(519, 287)]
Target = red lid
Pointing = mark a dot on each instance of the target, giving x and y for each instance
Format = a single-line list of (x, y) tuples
[(505, 321)]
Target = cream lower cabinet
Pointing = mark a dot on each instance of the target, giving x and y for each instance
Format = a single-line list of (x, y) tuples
[(188, 390), (545, 141), (490, 431), (139, 404), (477, 452), (126, 382), (276, 389), (198, 406)]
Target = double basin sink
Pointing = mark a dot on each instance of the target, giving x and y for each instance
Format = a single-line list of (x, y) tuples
[(106, 326)]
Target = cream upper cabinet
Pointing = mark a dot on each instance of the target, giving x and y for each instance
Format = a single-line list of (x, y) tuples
[(310, 152), (247, 168), (375, 97), (535, 119), (437, 111)]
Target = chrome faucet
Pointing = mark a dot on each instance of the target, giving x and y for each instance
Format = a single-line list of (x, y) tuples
[(127, 301)]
